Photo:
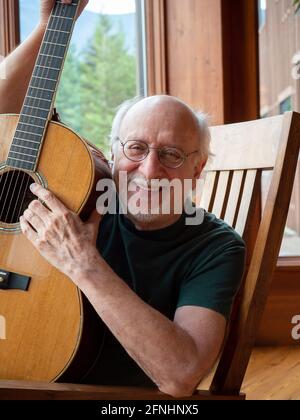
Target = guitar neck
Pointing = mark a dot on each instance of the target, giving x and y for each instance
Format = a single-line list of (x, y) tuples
[(38, 104)]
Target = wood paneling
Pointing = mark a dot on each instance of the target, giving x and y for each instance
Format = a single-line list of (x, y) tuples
[(194, 54), (282, 305), (156, 47), (9, 26), (240, 60), (208, 50)]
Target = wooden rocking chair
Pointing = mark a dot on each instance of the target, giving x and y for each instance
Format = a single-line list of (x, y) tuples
[(251, 158)]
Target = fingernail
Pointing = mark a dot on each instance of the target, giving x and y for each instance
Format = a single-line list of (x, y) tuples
[(33, 187)]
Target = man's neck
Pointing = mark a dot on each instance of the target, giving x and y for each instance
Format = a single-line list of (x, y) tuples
[(144, 224)]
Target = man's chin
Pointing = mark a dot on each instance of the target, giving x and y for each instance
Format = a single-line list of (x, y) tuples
[(144, 218)]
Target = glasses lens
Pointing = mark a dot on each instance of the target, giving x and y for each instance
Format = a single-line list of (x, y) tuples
[(136, 150), (171, 157)]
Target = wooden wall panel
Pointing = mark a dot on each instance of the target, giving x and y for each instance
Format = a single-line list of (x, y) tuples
[(282, 305), (206, 53), (240, 60), (194, 54), (156, 45), (9, 26)]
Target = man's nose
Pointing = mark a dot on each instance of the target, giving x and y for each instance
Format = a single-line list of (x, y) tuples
[(151, 168)]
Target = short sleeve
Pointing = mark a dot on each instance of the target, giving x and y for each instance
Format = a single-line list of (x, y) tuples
[(214, 283)]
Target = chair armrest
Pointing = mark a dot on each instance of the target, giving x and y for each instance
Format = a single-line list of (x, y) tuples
[(20, 390)]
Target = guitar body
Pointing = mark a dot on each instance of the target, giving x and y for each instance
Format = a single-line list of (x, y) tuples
[(45, 324)]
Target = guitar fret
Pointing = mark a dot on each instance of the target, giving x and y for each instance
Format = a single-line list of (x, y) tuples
[(21, 165), (35, 107), (39, 88), (33, 116), (30, 141), (45, 67), (32, 125), (25, 147), (58, 30), (27, 132), (64, 25), (23, 154), (51, 56), (38, 99), (44, 78), (62, 17), (55, 43), (58, 38), (20, 160)]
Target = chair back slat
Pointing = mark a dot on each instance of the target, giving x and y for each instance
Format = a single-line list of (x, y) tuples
[(244, 207), (221, 195), (234, 198), (208, 193)]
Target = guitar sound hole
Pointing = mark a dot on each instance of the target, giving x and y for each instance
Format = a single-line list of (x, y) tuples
[(15, 195)]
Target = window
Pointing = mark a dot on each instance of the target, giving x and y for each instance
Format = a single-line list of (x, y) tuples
[(104, 65), (286, 105), (279, 45), (262, 8)]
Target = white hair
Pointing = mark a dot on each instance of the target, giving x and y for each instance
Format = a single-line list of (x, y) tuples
[(201, 117)]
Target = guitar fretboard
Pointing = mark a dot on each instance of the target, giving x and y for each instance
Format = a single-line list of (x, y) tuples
[(37, 108)]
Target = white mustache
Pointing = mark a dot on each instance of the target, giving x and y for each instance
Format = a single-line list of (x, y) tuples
[(151, 185)]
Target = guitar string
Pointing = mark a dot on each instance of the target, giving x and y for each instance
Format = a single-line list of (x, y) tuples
[(25, 175), (59, 8), (57, 12)]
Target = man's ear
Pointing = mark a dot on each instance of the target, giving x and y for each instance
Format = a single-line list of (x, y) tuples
[(199, 168)]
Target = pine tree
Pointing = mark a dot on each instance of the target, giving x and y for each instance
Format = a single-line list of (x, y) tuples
[(108, 77), (68, 96), (95, 83)]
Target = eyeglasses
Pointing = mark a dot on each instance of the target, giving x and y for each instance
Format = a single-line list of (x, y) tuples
[(171, 157)]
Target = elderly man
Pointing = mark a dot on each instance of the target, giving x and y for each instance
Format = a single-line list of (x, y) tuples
[(163, 289)]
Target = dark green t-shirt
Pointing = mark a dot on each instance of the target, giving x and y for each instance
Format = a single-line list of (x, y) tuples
[(169, 268)]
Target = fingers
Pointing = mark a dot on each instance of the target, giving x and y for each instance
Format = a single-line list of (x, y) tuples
[(28, 230), (34, 219), (38, 208), (48, 198)]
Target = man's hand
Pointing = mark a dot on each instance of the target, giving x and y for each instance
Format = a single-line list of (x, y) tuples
[(59, 234), (47, 6)]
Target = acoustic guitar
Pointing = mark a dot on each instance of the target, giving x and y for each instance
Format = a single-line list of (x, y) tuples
[(49, 330)]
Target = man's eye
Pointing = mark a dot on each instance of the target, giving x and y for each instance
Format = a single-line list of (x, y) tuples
[(172, 154), (136, 147)]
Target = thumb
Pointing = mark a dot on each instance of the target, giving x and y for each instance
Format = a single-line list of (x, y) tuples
[(95, 218), (94, 222)]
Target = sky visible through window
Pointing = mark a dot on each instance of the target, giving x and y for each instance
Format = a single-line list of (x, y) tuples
[(111, 7)]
